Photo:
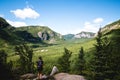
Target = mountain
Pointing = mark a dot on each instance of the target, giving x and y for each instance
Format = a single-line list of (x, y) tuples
[(68, 36), (6, 32), (84, 35), (80, 35), (42, 33), (32, 34), (112, 26)]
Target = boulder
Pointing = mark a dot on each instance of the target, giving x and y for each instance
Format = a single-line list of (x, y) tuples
[(54, 71), (66, 76)]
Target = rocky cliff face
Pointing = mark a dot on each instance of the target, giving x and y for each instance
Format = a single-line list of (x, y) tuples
[(47, 36), (43, 35)]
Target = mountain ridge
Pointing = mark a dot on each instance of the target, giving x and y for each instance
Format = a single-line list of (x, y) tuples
[(16, 35), (38, 34), (111, 26), (80, 35)]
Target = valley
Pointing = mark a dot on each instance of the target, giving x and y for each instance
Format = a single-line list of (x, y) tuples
[(51, 46)]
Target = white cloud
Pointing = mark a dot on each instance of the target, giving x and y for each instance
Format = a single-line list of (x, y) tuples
[(25, 13), (98, 20), (16, 23), (92, 26)]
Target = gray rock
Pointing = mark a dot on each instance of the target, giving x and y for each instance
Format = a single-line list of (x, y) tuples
[(66, 76), (54, 70)]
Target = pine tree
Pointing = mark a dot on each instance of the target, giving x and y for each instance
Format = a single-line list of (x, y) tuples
[(64, 61), (101, 55), (80, 62)]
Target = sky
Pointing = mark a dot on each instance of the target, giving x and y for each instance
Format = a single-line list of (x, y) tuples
[(62, 16)]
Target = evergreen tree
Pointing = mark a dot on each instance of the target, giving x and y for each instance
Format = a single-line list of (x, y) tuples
[(80, 62), (64, 61), (101, 56), (26, 54)]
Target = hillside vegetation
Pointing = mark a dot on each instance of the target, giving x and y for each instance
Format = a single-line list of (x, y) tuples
[(111, 26)]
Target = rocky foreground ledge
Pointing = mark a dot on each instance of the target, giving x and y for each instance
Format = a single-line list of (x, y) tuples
[(52, 76), (58, 76)]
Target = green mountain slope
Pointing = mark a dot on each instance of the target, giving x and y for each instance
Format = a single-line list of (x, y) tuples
[(41, 32), (68, 36), (7, 32), (110, 27), (32, 34)]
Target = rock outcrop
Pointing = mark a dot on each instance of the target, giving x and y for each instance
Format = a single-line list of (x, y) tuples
[(53, 76), (43, 35), (66, 76), (49, 36)]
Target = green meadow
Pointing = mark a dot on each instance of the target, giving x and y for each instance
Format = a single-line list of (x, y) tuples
[(51, 53)]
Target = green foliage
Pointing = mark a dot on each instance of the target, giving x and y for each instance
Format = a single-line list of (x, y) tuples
[(5, 68), (64, 61), (3, 56), (80, 62), (26, 54), (115, 56), (101, 58)]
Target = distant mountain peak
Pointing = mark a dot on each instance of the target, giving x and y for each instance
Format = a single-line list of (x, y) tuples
[(82, 34)]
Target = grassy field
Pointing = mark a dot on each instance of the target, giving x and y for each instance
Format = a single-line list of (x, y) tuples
[(50, 54)]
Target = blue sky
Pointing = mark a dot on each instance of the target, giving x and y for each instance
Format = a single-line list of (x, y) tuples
[(62, 16)]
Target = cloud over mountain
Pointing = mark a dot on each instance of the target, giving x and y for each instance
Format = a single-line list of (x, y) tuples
[(25, 13), (16, 23), (93, 25)]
